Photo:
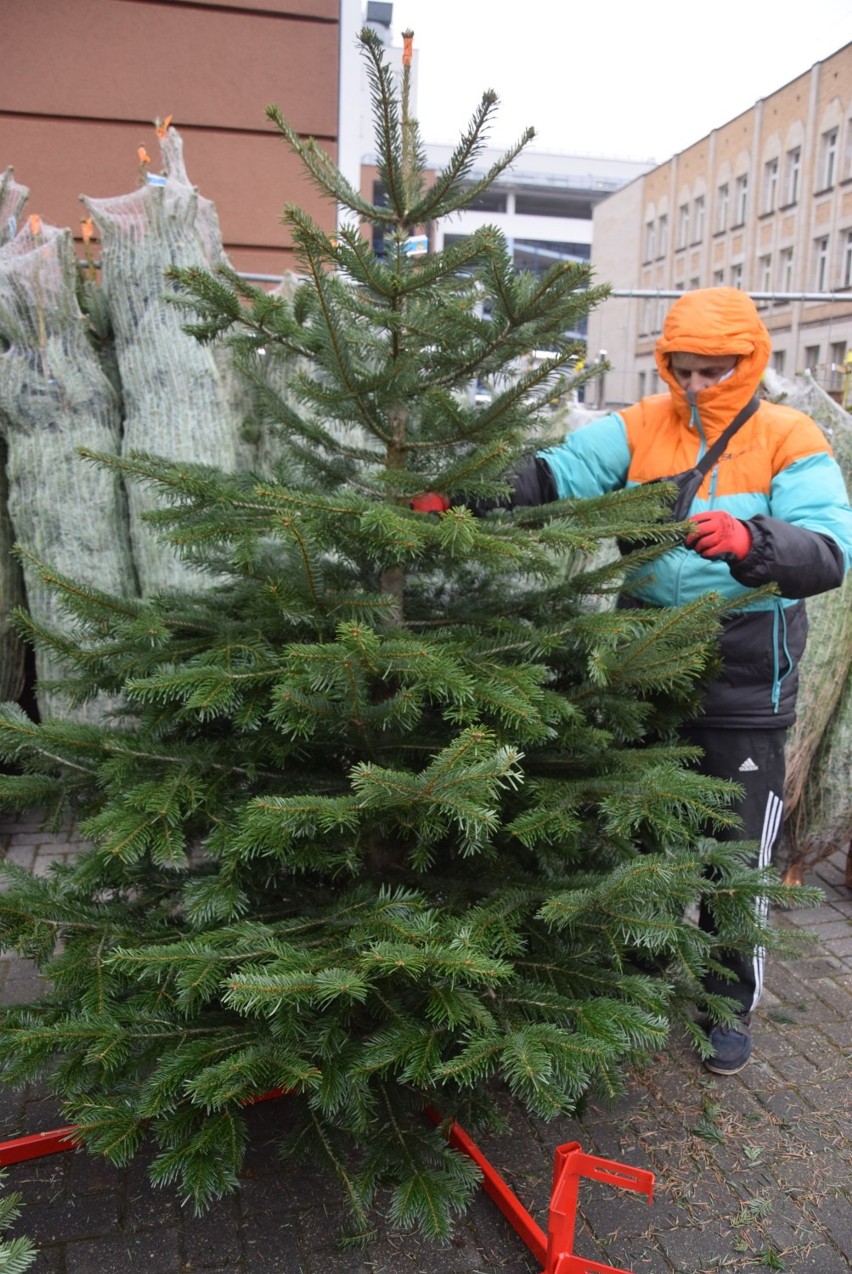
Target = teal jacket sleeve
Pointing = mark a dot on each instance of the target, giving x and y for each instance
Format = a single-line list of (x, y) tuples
[(805, 544), (592, 460)]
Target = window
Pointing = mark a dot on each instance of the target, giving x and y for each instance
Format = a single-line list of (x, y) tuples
[(683, 225), (764, 273), (740, 199), (837, 368), (646, 316), (828, 159), (770, 185), (641, 393), (722, 199), (489, 201), (694, 284), (821, 263), (786, 270), (649, 240), (698, 219), (736, 276), (811, 356), (847, 261), (792, 175), (552, 204), (778, 361), (663, 235), (718, 278)]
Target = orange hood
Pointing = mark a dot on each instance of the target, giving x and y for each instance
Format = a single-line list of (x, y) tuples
[(715, 321)]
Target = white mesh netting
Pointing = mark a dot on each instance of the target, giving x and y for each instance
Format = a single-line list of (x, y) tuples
[(818, 793), (177, 402), (54, 398)]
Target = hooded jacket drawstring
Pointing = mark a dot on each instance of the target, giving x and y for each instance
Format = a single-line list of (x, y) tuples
[(779, 641)]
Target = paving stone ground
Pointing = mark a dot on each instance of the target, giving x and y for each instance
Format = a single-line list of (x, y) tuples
[(752, 1172)]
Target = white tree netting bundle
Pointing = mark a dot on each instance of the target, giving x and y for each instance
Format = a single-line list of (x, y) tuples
[(822, 821), (177, 402), (54, 398), (818, 792)]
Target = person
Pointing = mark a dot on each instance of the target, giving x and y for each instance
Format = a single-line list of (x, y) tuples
[(772, 509)]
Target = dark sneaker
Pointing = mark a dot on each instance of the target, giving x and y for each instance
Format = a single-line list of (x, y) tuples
[(731, 1049)]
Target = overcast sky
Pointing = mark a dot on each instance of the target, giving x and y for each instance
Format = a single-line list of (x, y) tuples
[(635, 79)]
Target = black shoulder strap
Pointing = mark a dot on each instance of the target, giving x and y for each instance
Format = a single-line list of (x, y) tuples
[(712, 454)]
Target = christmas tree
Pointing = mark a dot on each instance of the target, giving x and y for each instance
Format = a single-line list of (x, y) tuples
[(391, 814)]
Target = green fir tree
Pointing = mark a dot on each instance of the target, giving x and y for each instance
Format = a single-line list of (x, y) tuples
[(393, 814), (16, 1254)]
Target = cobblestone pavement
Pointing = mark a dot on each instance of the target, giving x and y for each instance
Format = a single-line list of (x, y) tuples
[(752, 1172)]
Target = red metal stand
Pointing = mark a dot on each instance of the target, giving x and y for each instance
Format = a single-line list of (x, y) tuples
[(554, 1249), (39, 1144), (570, 1164)]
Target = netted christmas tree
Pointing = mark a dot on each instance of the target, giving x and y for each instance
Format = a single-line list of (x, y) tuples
[(394, 814), (818, 794), (178, 400), (54, 398)]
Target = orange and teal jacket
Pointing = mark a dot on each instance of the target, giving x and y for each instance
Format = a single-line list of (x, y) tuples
[(777, 474)]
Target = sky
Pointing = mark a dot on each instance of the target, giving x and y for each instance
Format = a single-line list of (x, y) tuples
[(628, 79)]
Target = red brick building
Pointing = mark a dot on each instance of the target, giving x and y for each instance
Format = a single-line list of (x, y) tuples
[(83, 81)]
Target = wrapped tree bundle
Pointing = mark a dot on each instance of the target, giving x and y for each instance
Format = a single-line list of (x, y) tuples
[(177, 403), (236, 393), (55, 398), (821, 823), (818, 793)]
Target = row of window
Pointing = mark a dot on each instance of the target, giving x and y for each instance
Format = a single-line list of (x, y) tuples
[(781, 188), (558, 203), (776, 274), (829, 271), (781, 184), (773, 275)]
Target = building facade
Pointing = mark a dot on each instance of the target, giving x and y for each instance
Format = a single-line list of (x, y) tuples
[(763, 203)]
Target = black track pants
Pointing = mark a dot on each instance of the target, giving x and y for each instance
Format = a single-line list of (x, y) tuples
[(755, 760)]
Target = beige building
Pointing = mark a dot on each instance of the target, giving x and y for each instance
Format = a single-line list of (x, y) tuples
[(763, 203)]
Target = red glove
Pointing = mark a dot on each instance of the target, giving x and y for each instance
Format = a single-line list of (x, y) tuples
[(431, 502), (719, 535)]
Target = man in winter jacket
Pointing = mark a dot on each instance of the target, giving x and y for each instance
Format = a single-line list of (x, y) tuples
[(772, 509)]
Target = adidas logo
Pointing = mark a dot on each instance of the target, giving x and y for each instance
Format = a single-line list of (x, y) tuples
[(748, 765)]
